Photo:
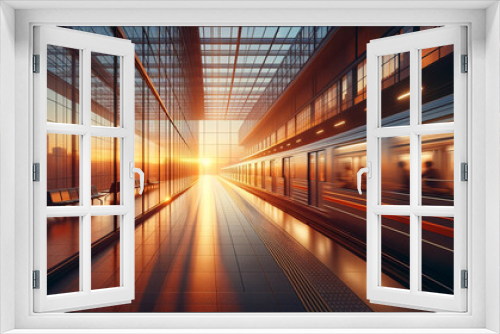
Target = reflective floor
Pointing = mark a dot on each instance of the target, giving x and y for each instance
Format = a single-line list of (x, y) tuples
[(217, 248)]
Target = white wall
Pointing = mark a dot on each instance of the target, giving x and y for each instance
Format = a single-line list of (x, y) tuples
[(7, 160), (492, 148)]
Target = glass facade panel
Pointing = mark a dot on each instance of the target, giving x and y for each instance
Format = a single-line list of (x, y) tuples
[(105, 83), (105, 268), (105, 174), (166, 143), (303, 120), (63, 241), (63, 170), (63, 85), (346, 93), (218, 145)]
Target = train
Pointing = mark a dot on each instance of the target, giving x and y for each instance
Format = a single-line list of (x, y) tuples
[(321, 175)]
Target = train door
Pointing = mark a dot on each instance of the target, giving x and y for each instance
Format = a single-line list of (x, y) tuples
[(79, 62), (321, 177), (396, 163), (316, 176), (263, 175), (311, 178), (274, 175), (256, 173), (249, 174), (286, 176)]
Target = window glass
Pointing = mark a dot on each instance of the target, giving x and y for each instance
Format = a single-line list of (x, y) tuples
[(322, 166), (346, 90)]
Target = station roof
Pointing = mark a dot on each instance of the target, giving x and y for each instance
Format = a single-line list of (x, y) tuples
[(238, 64)]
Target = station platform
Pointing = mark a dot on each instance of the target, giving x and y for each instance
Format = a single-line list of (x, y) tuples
[(218, 248)]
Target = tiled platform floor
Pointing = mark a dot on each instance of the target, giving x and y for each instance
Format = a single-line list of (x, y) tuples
[(199, 255)]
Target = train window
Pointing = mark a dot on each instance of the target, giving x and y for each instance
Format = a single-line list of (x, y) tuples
[(437, 73), (312, 166), (416, 201), (321, 166), (86, 183)]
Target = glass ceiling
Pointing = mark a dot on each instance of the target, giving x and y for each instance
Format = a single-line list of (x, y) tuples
[(238, 64)]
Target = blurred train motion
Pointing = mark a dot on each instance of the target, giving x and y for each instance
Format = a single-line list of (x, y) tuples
[(320, 175)]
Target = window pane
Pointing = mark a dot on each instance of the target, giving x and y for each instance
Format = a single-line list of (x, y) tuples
[(105, 178), (63, 249), (312, 167), (105, 79), (437, 169), (63, 170), (395, 234), (322, 166), (63, 85), (437, 254), (395, 170), (437, 84), (395, 95), (105, 270)]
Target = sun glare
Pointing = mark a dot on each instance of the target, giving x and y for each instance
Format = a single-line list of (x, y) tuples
[(205, 161)]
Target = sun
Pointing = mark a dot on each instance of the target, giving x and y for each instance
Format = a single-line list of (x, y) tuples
[(205, 161)]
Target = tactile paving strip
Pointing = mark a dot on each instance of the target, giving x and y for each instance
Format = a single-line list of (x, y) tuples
[(319, 288)]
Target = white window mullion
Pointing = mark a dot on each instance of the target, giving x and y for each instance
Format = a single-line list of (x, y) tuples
[(373, 184), (415, 85), (85, 247)]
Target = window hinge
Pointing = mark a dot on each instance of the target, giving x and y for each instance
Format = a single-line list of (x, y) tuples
[(464, 173), (36, 63), (465, 64), (36, 279), (465, 279), (36, 172)]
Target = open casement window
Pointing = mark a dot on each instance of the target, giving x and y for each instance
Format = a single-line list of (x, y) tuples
[(416, 199), (83, 168)]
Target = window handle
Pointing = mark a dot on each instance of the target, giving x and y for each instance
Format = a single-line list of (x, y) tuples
[(134, 170), (368, 172)]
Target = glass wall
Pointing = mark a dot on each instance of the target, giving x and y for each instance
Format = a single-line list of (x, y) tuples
[(166, 137), (218, 145)]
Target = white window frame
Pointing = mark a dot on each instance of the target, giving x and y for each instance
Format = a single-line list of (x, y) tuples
[(414, 43), (482, 314), (86, 44)]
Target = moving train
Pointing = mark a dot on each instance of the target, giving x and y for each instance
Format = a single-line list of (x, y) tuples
[(321, 176)]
